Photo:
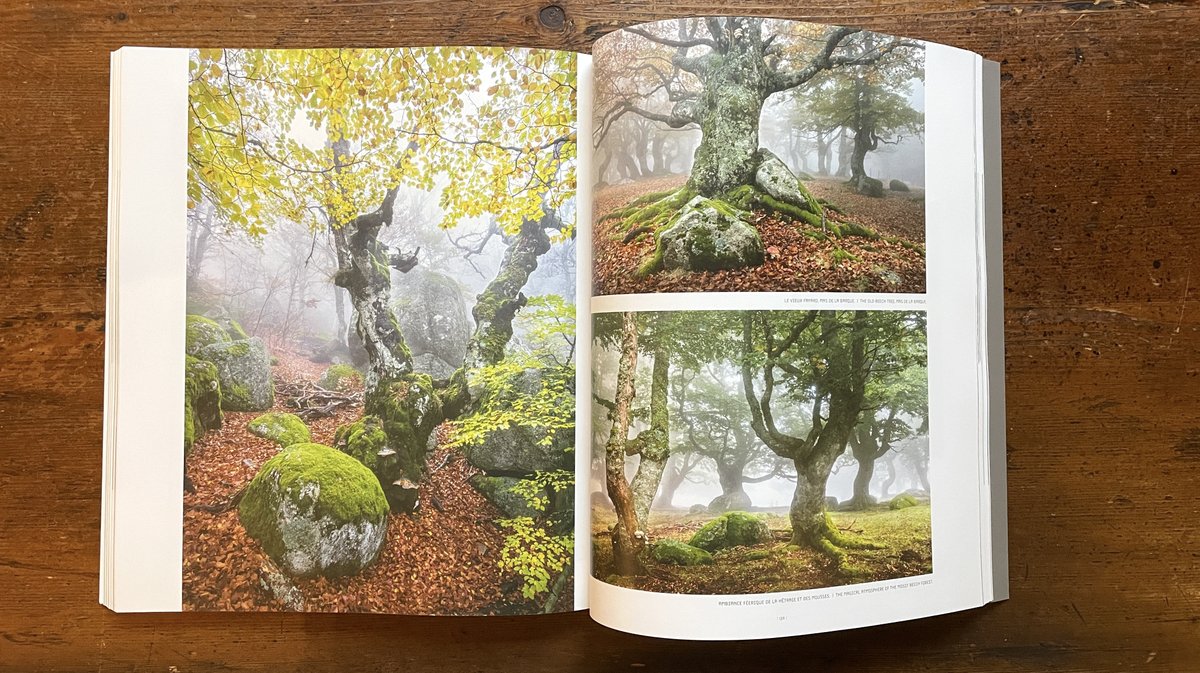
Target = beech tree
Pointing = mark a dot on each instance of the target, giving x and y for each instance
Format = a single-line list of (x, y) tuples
[(825, 359), (718, 77), (714, 423), (326, 138), (869, 101), (897, 406)]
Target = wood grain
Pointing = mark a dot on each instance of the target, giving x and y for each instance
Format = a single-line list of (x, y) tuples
[(1101, 123)]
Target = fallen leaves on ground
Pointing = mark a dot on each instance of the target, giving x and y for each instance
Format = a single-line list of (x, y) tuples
[(794, 262), (441, 560)]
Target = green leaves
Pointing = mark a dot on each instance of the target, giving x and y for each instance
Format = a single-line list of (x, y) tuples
[(494, 128)]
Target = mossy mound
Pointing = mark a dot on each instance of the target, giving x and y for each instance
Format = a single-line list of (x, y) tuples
[(898, 186), (407, 410), (203, 332), (201, 400), (316, 511), (282, 428), (868, 186), (707, 235), (902, 501), (340, 377), (678, 553), (731, 529)]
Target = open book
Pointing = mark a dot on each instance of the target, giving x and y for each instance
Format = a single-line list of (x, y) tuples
[(701, 333)]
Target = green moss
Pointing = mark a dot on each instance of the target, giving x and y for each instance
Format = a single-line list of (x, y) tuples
[(840, 256), (235, 331), (363, 440), (201, 400), (730, 530), (282, 428), (348, 491), (201, 332), (651, 210), (677, 553), (189, 426), (339, 376), (236, 396), (238, 349), (409, 410), (902, 501)]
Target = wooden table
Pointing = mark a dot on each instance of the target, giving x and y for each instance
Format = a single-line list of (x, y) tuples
[(1101, 122)]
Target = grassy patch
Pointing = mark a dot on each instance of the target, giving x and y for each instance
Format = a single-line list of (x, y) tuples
[(871, 545)]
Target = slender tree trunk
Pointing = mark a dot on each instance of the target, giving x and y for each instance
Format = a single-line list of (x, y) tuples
[(823, 147), (339, 305), (844, 152), (886, 486), (653, 443), (675, 475), (627, 537)]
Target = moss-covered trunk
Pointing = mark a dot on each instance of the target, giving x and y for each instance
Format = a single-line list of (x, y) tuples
[(729, 112), (627, 537), (653, 444), (810, 527)]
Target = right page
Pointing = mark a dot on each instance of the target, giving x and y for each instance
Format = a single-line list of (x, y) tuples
[(793, 424)]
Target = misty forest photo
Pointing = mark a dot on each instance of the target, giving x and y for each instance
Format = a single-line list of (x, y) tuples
[(750, 154), (380, 366), (759, 451)]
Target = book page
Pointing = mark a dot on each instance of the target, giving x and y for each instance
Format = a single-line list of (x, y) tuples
[(371, 399), (787, 398)]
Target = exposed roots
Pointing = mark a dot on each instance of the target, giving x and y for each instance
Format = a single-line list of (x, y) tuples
[(651, 211)]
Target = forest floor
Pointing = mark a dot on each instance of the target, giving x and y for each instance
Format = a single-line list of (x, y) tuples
[(441, 560), (795, 262), (903, 537)]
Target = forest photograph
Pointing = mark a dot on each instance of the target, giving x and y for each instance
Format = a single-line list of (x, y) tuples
[(380, 346), (741, 452), (750, 154)]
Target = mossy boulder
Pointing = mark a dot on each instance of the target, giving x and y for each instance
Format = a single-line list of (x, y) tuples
[(707, 235), (729, 502), (244, 368), (316, 511), (201, 400), (898, 186), (731, 529), (500, 492), (519, 450), (202, 332), (340, 377), (775, 179), (431, 309), (868, 186), (678, 553), (903, 501), (282, 428)]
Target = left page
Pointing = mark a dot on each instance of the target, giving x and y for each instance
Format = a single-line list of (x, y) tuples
[(365, 262)]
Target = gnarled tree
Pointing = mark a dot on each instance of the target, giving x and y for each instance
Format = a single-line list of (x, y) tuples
[(327, 138), (718, 76), (825, 359)]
